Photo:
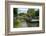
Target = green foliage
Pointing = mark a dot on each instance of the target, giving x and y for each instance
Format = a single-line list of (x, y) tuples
[(37, 13), (17, 23), (31, 12), (15, 11)]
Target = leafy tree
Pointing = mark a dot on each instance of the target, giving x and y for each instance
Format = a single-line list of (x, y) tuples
[(15, 11), (37, 13), (31, 12)]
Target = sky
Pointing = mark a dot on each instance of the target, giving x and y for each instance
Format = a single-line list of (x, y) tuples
[(24, 10)]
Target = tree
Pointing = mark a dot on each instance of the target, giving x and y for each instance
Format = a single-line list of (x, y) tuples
[(15, 11), (31, 12), (37, 13)]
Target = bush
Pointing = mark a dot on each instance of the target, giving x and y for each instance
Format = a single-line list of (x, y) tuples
[(17, 23)]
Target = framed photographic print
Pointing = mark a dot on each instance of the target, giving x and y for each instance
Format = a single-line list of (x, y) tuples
[(24, 17)]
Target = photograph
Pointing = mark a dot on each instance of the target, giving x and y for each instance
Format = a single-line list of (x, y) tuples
[(25, 17)]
